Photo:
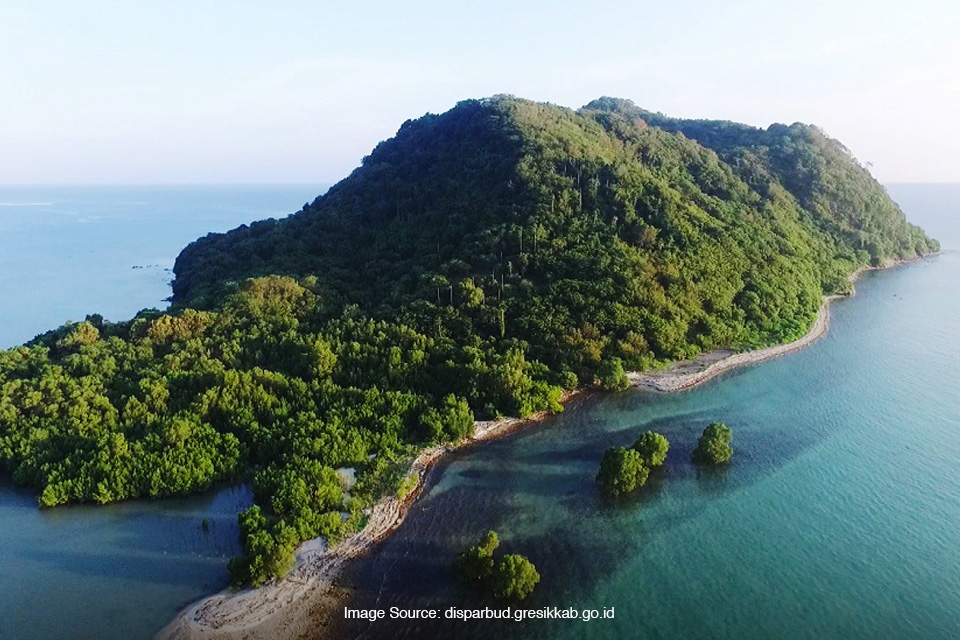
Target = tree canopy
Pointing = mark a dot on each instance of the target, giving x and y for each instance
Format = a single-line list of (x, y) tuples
[(652, 448), (513, 576), (715, 445), (476, 563), (621, 471), (475, 265)]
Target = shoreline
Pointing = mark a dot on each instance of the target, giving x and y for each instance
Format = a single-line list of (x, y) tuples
[(686, 374), (287, 608), (303, 603)]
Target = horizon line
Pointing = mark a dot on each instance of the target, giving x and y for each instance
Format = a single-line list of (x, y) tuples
[(328, 183)]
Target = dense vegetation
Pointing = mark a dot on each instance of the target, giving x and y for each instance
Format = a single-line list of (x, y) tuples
[(473, 266), (625, 470), (476, 562), (652, 448), (715, 446), (621, 471), (513, 576), (271, 388), (585, 236), (839, 194)]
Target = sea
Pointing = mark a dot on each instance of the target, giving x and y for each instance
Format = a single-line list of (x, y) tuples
[(838, 517), (122, 571)]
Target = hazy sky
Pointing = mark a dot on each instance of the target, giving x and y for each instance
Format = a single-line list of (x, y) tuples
[(97, 91)]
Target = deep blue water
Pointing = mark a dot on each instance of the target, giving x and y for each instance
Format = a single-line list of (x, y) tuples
[(121, 571), (839, 516)]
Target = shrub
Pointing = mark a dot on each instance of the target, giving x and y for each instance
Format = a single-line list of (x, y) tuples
[(652, 448), (514, 577), (621, 471), (714, 445)]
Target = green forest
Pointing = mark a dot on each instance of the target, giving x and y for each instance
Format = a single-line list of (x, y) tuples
[(475, 265)]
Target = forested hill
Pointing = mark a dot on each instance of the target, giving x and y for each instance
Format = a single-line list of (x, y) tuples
[(817, 170), (475, 265), (608, 232)]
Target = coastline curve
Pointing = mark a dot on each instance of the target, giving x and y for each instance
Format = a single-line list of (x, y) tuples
[(302, 603)]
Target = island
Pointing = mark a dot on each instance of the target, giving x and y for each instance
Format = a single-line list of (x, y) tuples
[(485, 262)]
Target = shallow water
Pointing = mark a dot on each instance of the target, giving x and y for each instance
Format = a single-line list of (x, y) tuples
[(113, 572), (838, 517), (121, 571)]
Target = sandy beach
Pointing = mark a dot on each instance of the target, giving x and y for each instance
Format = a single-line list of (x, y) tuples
[(303, 604), (689, 373)]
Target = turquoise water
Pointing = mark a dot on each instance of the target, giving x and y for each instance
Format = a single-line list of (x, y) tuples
[(839, 516), (121, 571)]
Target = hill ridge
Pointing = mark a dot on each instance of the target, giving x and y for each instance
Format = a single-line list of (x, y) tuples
[(477, 264)]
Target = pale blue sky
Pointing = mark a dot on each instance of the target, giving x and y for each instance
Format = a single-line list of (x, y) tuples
[(100, 91)]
